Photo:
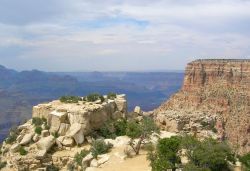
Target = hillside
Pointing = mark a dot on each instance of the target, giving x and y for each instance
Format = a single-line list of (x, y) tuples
[(215, 94)]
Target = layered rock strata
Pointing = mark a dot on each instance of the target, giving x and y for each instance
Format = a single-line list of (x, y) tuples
[(215, 95)]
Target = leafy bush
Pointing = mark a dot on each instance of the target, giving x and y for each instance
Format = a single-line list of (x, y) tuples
[(52, 168), (38, 130), (107, 130), (120, 127), (79, 156), (70, 99), (111, 129), (37, 121), (100, 147), (94, 97), (165, 157), (208, 154), (111, 96), (133, 129), (22, 151)]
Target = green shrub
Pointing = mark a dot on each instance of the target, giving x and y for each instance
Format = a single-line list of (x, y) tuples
[(111, 96), (55, 134), (208, 154), (70, 99), (12, 136), (2, 165), (37, 121), (94, 97), (165, 157), (107, 130), (22, 151), (133, 129), (120, 127), (44, 120), (79, 156), (46, 127), (100, 147), (10, 139), (245, 160), (38, 130), (52, 168)]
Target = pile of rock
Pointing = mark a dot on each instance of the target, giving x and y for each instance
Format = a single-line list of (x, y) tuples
[(64, 125)]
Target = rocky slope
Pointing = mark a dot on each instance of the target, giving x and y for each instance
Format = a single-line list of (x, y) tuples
[(57, 132), (215, 95)]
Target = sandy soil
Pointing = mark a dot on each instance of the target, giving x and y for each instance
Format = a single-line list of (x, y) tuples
[(117, 163)]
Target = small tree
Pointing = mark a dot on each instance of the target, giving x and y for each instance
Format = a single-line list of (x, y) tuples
[(141, 131), (208, 154), (166, 154)]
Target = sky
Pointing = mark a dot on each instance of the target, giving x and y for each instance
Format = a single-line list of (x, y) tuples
[(121, 35)]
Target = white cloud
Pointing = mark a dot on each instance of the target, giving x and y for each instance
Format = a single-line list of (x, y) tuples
[(122, 35)]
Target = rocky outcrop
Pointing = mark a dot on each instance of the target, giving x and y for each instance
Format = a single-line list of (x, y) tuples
[(59, 127), (215, 95), (87, 116)]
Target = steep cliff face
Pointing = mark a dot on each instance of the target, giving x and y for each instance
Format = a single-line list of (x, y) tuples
[(215, 95)]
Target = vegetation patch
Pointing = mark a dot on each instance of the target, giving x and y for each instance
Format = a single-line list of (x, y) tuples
[(38, 130), (79, 156), (94, 97), (37, 121), (206, 155), (52, 168), (100, 147), (111, 95), (70, 99), (22, 151), (12, 136), (245, 160), (3, 164)]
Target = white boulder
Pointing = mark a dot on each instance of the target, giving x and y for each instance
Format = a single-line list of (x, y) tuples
[(27, 138), (46, 143)]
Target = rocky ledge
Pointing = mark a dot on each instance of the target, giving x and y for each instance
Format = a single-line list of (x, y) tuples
[(64, 126), (215, 96)]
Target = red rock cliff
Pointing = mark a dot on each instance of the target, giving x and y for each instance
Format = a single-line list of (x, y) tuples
[(216, 92)]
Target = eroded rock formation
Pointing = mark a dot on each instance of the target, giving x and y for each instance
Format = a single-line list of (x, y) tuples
[(64, 127), (215, 95)]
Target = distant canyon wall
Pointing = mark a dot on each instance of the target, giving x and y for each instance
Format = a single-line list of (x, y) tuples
[(217, 90)]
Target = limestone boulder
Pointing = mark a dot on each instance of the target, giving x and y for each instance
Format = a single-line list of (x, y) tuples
[(35, 138), (14, 148), (75, 131), (138, 110), (86, 160), (27, 138), (45, 133), (103, 159), (46, 143), (66, 141), (42, 110), (94, 163), (55, 119), (41, 154), (63, 128), (121, 103)]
